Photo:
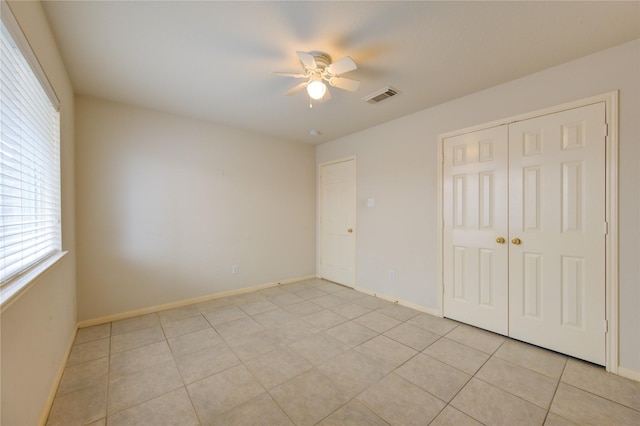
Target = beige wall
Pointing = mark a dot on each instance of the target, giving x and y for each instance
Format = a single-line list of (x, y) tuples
[(37, 328), (167, 205), (397, 165)]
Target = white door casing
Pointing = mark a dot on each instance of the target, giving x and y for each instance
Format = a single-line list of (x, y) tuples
[(556, 264), (338, 222), (475, 216)]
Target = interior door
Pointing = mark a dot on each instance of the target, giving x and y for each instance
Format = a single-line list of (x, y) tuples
[(556, 221), (338, 222), (475, 228)]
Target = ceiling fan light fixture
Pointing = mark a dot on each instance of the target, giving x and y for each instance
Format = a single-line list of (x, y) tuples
[(316, 89)]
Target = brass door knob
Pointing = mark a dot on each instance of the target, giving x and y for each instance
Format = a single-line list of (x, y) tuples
[(500, 240), (349, 230), (516, 241)]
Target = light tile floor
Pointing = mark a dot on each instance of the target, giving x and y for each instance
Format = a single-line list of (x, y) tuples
[(318, 353)]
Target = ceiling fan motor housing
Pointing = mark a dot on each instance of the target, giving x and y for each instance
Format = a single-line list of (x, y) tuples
[(322, 60)]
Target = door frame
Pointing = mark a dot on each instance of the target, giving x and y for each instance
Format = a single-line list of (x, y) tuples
[(611, 209), (319, 218)]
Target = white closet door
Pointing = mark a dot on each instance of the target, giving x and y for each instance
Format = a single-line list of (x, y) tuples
[(556, 232), (338, 222), (475, 216)]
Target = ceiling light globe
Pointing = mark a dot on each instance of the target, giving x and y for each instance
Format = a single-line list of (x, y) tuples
[(316, 89)]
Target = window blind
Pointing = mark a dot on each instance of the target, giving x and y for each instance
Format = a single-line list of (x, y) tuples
[(29, 160)]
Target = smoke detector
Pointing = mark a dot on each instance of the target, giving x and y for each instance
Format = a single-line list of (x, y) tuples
[(380, 95)]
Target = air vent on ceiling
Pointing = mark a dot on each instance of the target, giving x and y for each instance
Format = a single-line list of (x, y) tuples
[(380, 95)]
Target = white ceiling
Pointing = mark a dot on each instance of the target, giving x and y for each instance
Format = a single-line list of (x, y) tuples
[(215, 60)]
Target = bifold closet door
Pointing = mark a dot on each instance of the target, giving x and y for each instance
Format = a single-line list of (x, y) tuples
[(475, 228), (557, 232)]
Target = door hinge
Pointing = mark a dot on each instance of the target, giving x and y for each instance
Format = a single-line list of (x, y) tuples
[(605, 227), (606, 326), (605, 130)]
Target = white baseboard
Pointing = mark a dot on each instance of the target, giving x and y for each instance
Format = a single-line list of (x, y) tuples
[(430, 311), (629, 374), (54, 387), (178, 304)]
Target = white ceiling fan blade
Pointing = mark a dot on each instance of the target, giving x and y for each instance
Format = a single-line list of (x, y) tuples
[(308, 61), (342, 66), (344, 83), (291, 74), (296, 89)]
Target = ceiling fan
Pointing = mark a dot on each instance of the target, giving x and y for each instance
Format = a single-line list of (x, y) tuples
[(318, 68)]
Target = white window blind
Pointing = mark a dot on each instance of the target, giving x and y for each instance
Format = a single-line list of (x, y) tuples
[(29, 158)]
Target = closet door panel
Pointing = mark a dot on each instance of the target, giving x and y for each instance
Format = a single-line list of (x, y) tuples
[(475, 215), (557, 214)]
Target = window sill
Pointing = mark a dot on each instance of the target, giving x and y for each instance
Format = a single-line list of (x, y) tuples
[(12, 290)]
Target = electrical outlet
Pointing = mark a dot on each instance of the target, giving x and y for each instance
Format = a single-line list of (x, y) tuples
[(392, 274), (235, 269)]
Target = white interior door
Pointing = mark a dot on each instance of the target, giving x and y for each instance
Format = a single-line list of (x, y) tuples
[(338, 222), (475, 228), (556, 224)]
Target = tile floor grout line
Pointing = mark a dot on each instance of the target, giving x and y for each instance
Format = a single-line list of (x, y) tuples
[(184, 384), (144, 400), (597, 395), (355, 398), (526, 367), (448, 403), (367, 405), (453, 366), (513, 394), (555, 391)]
